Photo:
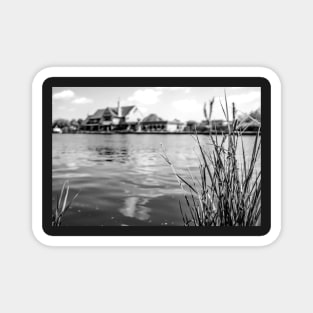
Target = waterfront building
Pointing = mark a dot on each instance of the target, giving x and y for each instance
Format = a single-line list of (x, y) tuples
[(110, 118), (218, 125), (153, 123), (128, 118), (191, 126)]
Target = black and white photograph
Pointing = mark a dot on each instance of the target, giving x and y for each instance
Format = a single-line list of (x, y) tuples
[(156, 156)]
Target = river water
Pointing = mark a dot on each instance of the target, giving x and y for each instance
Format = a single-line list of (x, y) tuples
[(122, 179)]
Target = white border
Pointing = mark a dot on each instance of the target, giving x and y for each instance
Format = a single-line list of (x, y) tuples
[(155, 72)]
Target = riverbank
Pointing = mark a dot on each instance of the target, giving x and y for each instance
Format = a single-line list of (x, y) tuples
[(246, 133)]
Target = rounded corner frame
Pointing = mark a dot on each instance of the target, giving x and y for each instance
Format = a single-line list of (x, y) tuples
[(263, 72)]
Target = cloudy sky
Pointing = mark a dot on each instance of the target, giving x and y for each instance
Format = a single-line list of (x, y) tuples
[(184, 103)]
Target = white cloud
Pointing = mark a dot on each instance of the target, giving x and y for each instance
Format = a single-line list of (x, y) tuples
[(143, 109), (245, 98), (192, 109), (146, 96), (82, 100), (187, 109), (184, 89), (246, 102), (65, 94), (186, 105)]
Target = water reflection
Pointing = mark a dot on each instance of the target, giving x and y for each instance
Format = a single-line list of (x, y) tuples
[(134, 207), (110, 154)]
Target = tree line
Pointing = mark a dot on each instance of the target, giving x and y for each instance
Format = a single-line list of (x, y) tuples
[(248, 123), (67, 125)]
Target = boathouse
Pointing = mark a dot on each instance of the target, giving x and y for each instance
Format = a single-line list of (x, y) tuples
[(110, 118)]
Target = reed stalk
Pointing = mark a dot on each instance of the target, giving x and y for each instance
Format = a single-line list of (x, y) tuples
[(228, 192), (62, 204)]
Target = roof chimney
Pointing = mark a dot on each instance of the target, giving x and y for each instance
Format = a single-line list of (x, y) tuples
[(119, 109)]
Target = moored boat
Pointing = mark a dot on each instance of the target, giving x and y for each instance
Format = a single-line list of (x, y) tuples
[(57, 130)]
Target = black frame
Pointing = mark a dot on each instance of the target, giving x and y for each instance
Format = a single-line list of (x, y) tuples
[(155, 82)]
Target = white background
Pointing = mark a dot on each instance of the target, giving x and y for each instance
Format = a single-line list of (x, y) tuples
[(37, 34)]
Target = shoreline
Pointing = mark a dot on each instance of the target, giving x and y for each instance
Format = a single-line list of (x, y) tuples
[(245, 133)]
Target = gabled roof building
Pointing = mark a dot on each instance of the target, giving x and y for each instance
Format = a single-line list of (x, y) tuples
[(153, 122), (110, 118), (128, 118)]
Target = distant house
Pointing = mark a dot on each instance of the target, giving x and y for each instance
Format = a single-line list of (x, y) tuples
[(110, 118), (191, 125), (175, 125), (218, 125), (153, 123)]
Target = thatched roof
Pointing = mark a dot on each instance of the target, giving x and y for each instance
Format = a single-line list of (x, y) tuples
[(152, 118), (125, 110)]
